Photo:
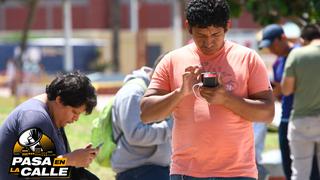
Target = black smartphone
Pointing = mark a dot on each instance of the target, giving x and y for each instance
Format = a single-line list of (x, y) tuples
[(99, 146), (210, 79)]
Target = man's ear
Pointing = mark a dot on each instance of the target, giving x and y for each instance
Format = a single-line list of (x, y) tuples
[(58, 100), (186, 23), (229, 25)]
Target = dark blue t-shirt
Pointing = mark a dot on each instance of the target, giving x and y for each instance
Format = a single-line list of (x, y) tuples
[(286, 101), (30, 114)]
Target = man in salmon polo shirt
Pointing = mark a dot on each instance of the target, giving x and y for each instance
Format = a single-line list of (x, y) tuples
[(212, 132)]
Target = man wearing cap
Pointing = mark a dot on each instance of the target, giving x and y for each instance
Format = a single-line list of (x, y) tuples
[(274, 38)]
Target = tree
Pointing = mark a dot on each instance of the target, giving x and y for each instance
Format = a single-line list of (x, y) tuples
[(272, 11), (32, 6), (115, 9)]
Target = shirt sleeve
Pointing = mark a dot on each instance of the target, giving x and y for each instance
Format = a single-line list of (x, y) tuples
[(34, 119), (289, 68), (137, 133), (258, 79), (161, 76)]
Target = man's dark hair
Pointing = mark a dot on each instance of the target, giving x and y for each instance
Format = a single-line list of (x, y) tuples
[(310, 32), (204, 13), (74, 89)]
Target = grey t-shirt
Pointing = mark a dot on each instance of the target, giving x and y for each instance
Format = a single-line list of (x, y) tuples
[(30, 114), (303, 64)]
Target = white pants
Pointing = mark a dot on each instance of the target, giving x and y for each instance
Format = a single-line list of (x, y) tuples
[(304, 139)]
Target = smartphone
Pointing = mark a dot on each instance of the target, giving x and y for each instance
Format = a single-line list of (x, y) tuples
[(209, 79), (99, 146)]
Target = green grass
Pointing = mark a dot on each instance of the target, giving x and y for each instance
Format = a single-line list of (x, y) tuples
[(271, 141), (79, 136), (6, 105)]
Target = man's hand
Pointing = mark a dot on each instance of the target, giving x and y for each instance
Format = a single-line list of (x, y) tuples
[(81, 157), (190, 77), (215, 95)]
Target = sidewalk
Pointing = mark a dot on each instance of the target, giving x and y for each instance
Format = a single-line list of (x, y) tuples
[(271, 160)]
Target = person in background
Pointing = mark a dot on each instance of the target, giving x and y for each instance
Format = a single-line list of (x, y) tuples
[(260, 132), (66, 97), (11, 74), (274, 38), (143, 150), (212, 133), (309, 33), (300, 76)]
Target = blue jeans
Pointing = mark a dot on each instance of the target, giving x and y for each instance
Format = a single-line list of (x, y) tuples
[(285, 154), (183, 177), (284, 148), (146, 172)]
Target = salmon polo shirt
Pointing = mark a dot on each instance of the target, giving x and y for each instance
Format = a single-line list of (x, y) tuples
[(210, 140)]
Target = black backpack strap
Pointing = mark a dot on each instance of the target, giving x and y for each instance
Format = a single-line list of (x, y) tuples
[(118, 138)]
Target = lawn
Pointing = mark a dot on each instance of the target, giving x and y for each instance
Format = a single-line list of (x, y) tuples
[(79, 135)]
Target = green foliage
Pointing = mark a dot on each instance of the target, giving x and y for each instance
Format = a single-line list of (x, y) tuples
[(272, 11), (235, 8)]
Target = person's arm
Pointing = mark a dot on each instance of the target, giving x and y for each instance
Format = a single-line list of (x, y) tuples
[(127, 115), (288, 78), (287, 85), (158, 104), (80, 157), (257, 107), (276, 90)]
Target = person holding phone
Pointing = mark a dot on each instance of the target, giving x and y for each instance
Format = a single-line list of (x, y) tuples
[(212, 136), (65, 98)]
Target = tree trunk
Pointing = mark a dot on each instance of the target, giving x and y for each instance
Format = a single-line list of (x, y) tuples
[(116, 9), (32, 6)]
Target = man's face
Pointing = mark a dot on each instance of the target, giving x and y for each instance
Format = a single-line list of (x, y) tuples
[(67, 114), (279, 47), (275, 47), (209, 40)]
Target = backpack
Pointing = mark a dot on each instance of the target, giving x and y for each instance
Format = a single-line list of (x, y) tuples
[(101, 131)]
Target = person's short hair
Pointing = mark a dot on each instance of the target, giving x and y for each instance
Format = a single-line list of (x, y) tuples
[(204, 13), (310, 32), (269, 34), (74, 89)]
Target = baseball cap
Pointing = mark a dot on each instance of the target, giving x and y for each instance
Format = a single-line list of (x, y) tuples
[(269, 33)]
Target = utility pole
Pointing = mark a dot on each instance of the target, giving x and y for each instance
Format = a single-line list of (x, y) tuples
[(177, 24), (115, 34), (134, 16), (32, 6), (68, 51)]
